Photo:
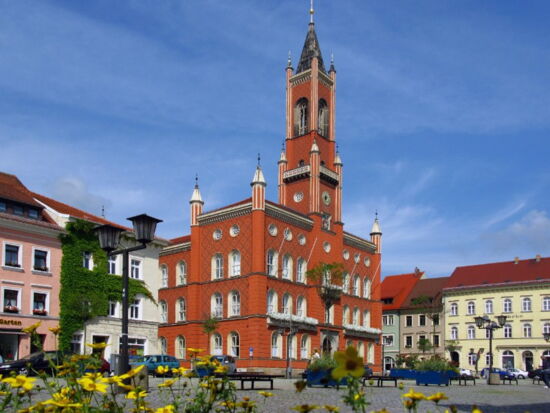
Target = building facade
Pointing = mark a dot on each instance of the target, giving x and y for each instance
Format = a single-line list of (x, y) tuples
[(395, 289), (30, 257), (518, 289), (144, 314), (422, 319), (244, 265)]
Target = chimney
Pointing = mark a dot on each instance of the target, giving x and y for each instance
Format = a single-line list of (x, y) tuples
[(516, 260), (537, 258)]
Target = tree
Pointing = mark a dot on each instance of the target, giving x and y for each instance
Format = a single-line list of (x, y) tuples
[(424, 345), (324, 275), (209, 325), (431, 308)]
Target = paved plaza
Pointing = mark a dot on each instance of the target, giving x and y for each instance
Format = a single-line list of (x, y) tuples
[(525, 397)]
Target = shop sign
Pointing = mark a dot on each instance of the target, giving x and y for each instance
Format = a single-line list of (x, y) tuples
[(5, 322)]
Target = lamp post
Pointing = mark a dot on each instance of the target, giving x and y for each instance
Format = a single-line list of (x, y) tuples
[(485, 323), (109, 238), (546, 336)]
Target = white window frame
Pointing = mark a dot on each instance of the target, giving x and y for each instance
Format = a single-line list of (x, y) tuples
[(471, 331), (304, 346), (19, 255), (287, 267), (163, 311), (234, 303), (422, 317), (235, 263), (527, 330), (388, 340), (489, 306), (133, 307), (19, 298), (301, 306), (217, 266), (180, 349), (234, 341), (453, 309), (163, 276), (471, 306), (217, 345), (272, 302), (546, 328), (407, 318), (345, 285), (48, 255), (181, 311), (47, 303), (272, 263), (287, 303), (366, 287), (454, 333), (112, 260), (406, 339), (78, 341), (366, 318), (216, 305), (505, 303), (526, 308), (182, 275), (90, 260), (301, 270), (356, 316), (546, 303), (138, 268), (507, 331), (356, 287), (345, 315), (113, 305)]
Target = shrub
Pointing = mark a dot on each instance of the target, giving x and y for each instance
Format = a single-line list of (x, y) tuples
[(434, 363), (322, 363)]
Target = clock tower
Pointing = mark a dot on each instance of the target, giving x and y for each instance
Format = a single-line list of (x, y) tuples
[(310, 169)]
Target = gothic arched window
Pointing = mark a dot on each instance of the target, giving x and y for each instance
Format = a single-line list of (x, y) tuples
[(323, 118), (301, 117)]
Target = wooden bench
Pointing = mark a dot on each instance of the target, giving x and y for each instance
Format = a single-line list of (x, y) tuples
[(253, 378), (379, 380), (509, 379), (462, 378), (536, 380)]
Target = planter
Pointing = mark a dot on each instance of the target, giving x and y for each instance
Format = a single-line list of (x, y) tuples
[(40, 312), (43, 269), (203, 372), (433, 377), (323, 378), (403, 373), (11, 309)]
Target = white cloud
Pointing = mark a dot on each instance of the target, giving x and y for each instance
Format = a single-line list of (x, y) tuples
[(75, 192)]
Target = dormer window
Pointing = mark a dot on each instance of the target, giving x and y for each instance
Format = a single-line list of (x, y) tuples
[(33, 213), (3, 206), (301, 117), (18, 210)]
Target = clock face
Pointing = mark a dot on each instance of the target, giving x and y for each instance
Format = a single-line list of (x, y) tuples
[(298, 196), (326, 198)]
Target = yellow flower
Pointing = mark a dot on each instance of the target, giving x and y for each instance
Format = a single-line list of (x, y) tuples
[(135, 394), (32, 328), (133, 371), (413, 395), (97, 346), (93, 376), (111, 380), (401, 385), (228, 403), (246, 403), (476, 409), (55, 330), (195, 351), (304, 408), (409, 404), (166, 409), (168, 383), (330, 408), (162, 369), (266, 394), (437, 397), (300, 385), (180, 371), (24, 382), (125, 386), (61, 399), (220, 370), (92, 385), (349, 363)]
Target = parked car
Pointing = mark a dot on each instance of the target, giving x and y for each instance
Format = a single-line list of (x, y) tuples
[(32, 364), (154, 361), (466, 372), (501, 372), (227, 361), (517, 373)]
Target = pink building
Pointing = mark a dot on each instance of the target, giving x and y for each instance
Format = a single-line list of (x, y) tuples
[(30, 266)]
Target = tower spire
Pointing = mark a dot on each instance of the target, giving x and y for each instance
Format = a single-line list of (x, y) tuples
[(311, 12)]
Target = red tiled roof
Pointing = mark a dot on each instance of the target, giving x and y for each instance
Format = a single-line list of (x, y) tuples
[(13, 189), (398, 287), (180, 240), (500, 273), (426, 287), (75, 212)]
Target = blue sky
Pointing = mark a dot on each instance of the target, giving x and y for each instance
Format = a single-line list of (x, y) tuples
[(443, 113)]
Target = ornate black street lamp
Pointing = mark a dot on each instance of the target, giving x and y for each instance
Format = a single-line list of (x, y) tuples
[(485, 323), (109, 238)]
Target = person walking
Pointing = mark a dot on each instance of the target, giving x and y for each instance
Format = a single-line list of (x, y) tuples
[(546, 370), (315, 354)]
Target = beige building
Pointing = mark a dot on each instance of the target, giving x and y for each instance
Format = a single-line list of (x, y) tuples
[(518, 289), (422, 318)]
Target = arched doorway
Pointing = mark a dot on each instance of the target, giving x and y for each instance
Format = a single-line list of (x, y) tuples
[(455, 358), (327, 345), (507, 360), (527, 360), (389, 363)]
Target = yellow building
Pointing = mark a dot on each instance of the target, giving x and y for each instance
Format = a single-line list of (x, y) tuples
[(518, 289)]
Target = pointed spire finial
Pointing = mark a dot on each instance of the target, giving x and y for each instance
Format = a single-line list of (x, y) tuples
[(259, 158), (311, 12), (331, 58), (289, 60), (337, 148), (196, 180), (103, 211)]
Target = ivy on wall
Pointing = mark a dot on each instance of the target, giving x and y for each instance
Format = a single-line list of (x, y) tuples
[(85, 294)]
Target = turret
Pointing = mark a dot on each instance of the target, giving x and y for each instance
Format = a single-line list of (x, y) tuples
[(314, 185), (196, 203), (258, 185), (376, 235), (282, 165), (338, 194)]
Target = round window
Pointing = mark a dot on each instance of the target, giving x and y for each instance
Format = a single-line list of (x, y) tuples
[(345, 254), (326, 247), (272, 229), (298, 196), (302, 239), (217, 234), (234, 231)]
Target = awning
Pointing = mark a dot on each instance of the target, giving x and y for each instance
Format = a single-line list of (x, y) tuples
[(12, 331)]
